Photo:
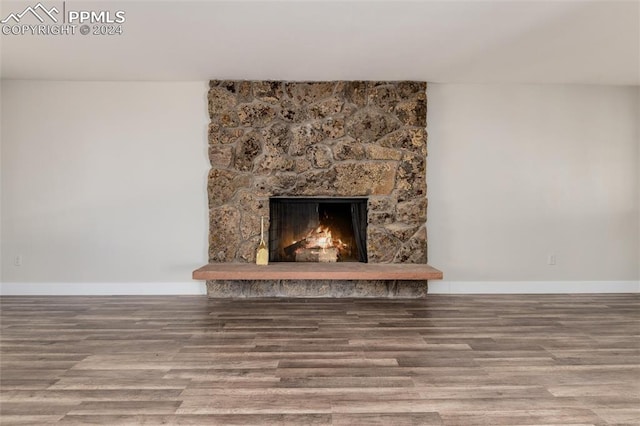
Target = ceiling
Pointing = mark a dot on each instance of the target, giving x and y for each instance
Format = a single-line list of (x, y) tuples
[(583, 42)]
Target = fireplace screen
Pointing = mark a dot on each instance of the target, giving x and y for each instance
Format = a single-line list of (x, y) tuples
[(318, 230)]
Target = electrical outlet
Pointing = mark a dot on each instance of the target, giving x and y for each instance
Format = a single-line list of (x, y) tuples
[(552, 259), (18, 260)]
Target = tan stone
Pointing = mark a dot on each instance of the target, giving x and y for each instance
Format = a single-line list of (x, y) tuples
[(220, 100), (377, 152), (325, 108), (268, 91), (348, 149), (277, 136), (355, 92), (224, 238), (220, 155), (320, 156), (403, 231), (384, 97), (414, 140), (222, 185), (304, 136), (413, 113), (415, 249), (411, 289), (316, 183), (309, 92), (358, 179), (409, 89), (368, 125), (248, 147), (333, 128), (221, 135), (256, 114), (381, 246), (225, 289), (414, 211)]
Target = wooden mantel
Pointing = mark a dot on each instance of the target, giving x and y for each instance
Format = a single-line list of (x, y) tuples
[(317, 271)]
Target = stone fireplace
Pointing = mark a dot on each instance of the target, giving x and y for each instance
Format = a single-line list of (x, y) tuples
[(334, 148)]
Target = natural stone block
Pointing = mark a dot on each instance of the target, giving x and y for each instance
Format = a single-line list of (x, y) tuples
[(381, 203), (277, 137), (411, 180), (222, 135), (315, 183), (377, 152), (371, 288), (414, 250), (304, 136), (224, 238), (333, 128), (384, 97), (381, 246), (225, 289), (411, 289), (414, 140), (220, 100), (413, 113), (369, 125), (249, 226), (409, 89), (279, 184), (306, 93), (247, 249), (256, 114), (355, 92), (325, 108), (266, 288), (222, 184), (348, 149), (403, 231), (292, 112), (220, 155), (248, 148), (358, 179), (306, 288), (414, 211), (268, 91), (320, 156), (381, 218)]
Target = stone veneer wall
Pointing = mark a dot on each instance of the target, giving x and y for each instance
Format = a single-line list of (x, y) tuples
[(339, 139)]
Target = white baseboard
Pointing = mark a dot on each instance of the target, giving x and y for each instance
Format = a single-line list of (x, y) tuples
[(532, 287), (102, 289), (435, 287)]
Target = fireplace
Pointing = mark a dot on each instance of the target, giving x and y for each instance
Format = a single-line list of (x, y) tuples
[(318, 229), (348, 150)]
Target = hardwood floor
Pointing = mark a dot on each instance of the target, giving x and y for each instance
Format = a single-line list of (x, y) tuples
[(446, 360)]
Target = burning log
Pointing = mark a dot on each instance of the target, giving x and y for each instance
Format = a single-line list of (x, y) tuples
[(290, 250), (328, 255)]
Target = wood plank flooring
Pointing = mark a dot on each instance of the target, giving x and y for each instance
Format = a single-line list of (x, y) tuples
[(446, 360)]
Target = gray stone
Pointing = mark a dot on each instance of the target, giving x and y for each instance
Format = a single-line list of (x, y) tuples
[(403, 231), (411, 289), (225, 289), (263, 288), (247, 249)]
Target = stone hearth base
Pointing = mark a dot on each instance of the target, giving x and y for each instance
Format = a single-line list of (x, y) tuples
[(317, 288)]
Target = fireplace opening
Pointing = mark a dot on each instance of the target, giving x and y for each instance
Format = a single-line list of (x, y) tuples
[(318, 230)]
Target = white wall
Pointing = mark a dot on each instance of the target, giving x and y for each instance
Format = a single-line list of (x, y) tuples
[(103, 186), (519, 173)]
